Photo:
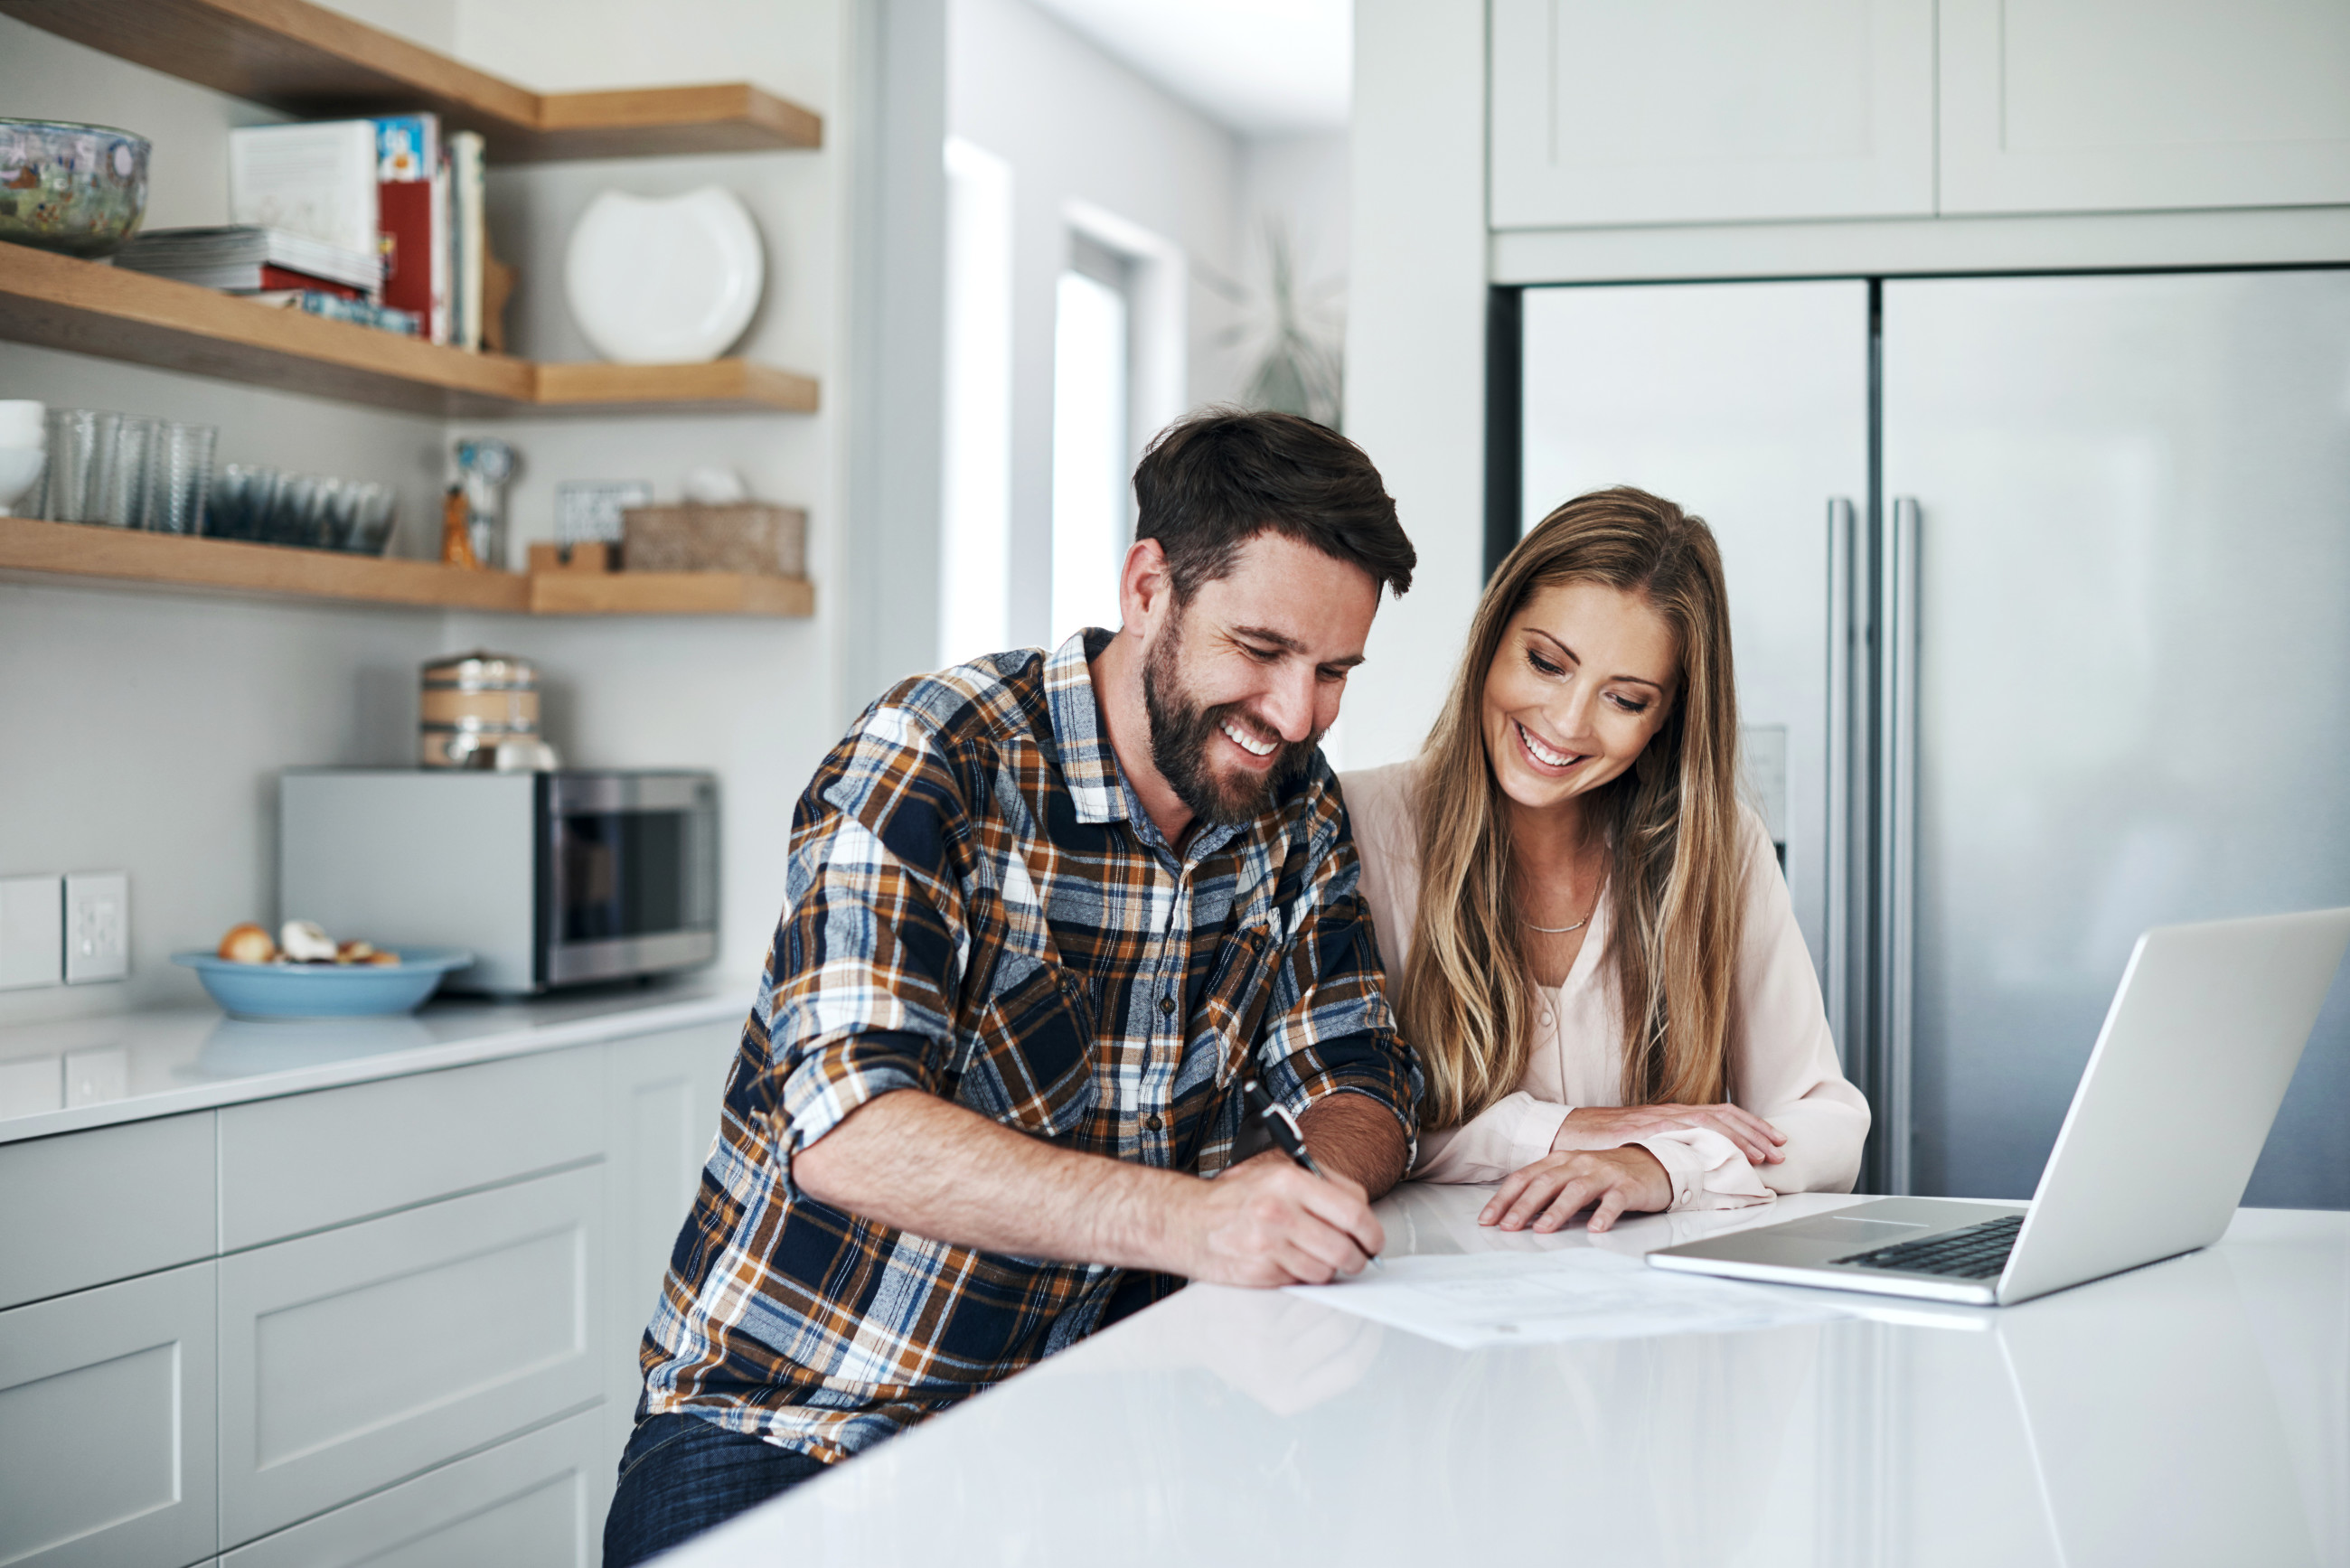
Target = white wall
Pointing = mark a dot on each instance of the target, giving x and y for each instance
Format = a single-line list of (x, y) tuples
[(1078, 127), (1416, 345), (143, 731)]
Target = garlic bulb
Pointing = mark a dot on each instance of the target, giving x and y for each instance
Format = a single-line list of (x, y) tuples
[(302, 942)]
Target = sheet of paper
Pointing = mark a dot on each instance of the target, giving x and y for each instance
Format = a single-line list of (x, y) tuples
[(1471, 1301)]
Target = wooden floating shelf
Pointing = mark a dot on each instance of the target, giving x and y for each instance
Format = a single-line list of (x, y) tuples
[(320, 64), (87, 308), (230, 565), (669, 593)]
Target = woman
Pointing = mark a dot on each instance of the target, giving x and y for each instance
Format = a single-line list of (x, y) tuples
[(1586, 935)]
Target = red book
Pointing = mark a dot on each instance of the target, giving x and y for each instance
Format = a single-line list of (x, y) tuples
[(404, 213), (274, 277)]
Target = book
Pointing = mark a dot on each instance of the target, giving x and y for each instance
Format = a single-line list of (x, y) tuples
[(472, 240), (408, 155), (316, 180), (244, 257), (336, 307)]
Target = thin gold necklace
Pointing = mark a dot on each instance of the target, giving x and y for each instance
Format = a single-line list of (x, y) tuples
[(1559, 931)]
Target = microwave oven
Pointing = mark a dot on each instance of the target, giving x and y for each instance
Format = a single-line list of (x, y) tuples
[(549, 879)]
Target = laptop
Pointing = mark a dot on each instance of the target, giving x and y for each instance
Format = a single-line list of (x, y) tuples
[(2171, 1112)]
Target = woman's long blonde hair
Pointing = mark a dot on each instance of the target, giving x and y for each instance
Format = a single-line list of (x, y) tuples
[(1669, 822)]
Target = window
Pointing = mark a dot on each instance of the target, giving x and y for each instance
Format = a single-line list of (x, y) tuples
[(976, 475), (1093, 448)]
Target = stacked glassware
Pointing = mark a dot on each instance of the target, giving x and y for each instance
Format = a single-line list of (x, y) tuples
[(311, 511)]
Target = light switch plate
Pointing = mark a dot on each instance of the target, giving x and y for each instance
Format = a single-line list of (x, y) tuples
[(97, 926), (32, 931)]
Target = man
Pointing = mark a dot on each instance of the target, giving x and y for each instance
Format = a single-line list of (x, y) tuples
[(1049, 915)]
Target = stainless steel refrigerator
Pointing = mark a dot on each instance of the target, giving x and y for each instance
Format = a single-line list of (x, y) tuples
[(2040, 588)]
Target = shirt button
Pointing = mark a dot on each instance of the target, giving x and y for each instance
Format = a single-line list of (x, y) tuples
[(1152, 1121), (1166, 1006)]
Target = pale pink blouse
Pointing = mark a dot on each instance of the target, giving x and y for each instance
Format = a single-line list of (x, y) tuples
[(1783, 1060)]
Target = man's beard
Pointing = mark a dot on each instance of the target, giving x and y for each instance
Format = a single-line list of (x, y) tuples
[(1182, 731)]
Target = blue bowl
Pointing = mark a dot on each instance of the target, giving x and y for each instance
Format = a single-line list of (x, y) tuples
[(324, 989)]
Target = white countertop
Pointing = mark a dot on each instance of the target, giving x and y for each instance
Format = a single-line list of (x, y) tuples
[(91, 1072), (2195, 1412)]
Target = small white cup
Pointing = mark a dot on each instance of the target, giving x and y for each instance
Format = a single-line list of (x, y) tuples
[(23, 424)]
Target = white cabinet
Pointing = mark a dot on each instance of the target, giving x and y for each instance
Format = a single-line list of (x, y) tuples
[(418, 1342), (535, 1501), (107, 1444), (358, 1356), (308, 1161), (1604, 114), (2054, 105), (148, 1183), (1670, 111), (662, 1113)]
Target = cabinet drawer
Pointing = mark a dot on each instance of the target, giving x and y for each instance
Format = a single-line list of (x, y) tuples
[(105, 1426), (360, 1356), (536, 1501), (308, 1161), (85, 1208)]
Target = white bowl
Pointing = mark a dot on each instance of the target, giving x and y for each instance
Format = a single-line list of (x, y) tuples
[(20, 470), (665, 280), (23, 422)]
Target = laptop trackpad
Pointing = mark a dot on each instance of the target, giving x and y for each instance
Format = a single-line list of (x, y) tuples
[(1857, 1234)]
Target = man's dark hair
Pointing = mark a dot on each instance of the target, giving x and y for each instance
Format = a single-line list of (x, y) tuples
[(1215, 480)]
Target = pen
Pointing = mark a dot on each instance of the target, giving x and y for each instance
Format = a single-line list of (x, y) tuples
[(1282, 1127)]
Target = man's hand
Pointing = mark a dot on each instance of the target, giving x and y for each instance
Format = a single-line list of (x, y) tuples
[(1548, 1192), (1595, 1128), (1268, 1221)]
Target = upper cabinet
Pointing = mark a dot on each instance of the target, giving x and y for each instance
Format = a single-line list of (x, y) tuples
[(1702, 111), (2068, 106), (1671, 111)]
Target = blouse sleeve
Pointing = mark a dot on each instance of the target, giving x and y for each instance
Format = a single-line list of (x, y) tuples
[(1782, 1062), (1513, 1133)]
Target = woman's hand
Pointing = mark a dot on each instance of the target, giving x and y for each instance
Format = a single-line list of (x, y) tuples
[(1548, 1192), (1592, 1126)]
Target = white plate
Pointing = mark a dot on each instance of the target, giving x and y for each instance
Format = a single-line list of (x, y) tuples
[(666, 280)]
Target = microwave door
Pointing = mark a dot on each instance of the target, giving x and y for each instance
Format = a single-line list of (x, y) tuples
[(631, 877)]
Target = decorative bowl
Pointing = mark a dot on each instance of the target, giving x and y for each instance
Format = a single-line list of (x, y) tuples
[(324, 989), (668, 280), (78, 189)]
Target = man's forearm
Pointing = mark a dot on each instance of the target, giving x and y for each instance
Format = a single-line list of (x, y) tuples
[(922, 1164), (1359, 1137)]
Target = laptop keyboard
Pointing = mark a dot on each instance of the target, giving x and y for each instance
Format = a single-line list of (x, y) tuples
[(1977, 1252)]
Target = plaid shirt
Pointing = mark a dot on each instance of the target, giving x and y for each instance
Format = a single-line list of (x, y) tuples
[(980, 909)]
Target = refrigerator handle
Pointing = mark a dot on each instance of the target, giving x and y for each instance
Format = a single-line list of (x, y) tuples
[(1898, 803), (1843, 626)]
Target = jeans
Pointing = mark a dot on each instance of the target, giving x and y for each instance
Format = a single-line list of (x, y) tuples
[(680, 1474)]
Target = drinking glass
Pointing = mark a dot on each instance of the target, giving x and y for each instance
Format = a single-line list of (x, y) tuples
[(372, 513), (179, 475), (123, 501), (81, 453)]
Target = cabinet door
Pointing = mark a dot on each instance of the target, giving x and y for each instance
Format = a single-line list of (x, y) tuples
[(151, 1182), (2104, 105), (357, 1357), (107, 1444), (309, 1161), (536, 1501), (1703, 110), (662, 1113)]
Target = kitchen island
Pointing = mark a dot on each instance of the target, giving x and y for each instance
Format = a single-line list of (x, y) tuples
[(2194, 1411)]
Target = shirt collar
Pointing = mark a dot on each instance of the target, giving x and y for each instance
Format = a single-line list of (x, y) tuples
[(1099, 789), (1088, 766)]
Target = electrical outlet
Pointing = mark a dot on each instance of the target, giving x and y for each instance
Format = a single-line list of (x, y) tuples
[(32, 931), (97, 926)]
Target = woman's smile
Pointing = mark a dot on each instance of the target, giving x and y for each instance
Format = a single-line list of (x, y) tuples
[(1550, 759)]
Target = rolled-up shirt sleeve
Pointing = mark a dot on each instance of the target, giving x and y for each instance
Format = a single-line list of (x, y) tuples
[(1329, 1029), (874, 944)]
